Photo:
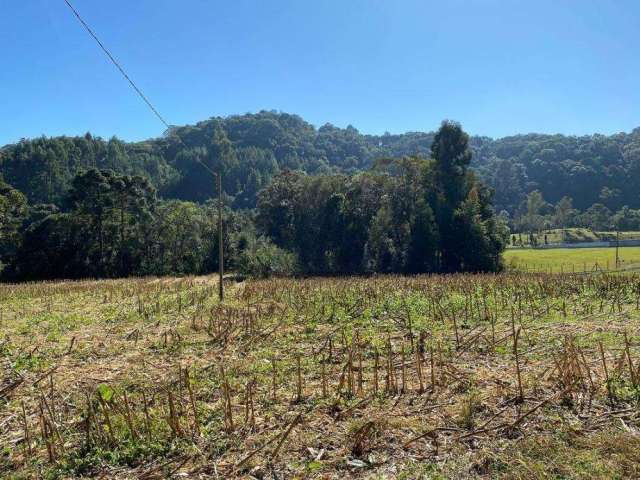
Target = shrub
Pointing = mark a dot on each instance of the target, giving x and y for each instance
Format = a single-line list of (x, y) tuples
[(263, 259)]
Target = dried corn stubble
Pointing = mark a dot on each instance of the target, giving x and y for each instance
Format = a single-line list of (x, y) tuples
[(378, 371)]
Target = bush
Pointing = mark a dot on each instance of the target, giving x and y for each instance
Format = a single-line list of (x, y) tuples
[(263, 259)]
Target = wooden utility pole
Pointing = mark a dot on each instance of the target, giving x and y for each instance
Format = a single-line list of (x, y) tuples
[(617, 247), (220, 246)]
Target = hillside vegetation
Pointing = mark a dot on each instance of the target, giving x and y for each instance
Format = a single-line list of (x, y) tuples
[(250, 149), (408, 214)]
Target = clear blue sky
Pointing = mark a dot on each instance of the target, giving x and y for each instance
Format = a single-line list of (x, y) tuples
[(498, 66)]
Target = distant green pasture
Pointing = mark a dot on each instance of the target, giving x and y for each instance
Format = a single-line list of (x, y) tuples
[(571, 259)]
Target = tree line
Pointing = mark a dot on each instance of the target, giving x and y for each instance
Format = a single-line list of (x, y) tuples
[(252, 149), (539, 215), (405, 215), (409, 214)]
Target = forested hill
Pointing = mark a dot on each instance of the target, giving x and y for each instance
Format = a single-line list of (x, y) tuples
[(250, 149)]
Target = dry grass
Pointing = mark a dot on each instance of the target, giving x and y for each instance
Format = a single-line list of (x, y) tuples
[(455, 376)]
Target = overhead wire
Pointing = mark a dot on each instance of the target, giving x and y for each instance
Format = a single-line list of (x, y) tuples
[(106, 51)]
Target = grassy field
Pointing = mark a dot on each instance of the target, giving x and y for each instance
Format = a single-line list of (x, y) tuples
[(571, 259), (460, 376)]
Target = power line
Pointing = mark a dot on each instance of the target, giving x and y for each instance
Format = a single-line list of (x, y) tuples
[(169, 129), (115, 62), (133, 85)]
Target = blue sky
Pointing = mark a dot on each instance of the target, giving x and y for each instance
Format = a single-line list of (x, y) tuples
[(498, 66)]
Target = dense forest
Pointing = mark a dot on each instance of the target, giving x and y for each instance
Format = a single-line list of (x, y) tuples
[(406, 214), (297, 198), (251, 149)]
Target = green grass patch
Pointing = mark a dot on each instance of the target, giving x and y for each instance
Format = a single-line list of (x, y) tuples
[(570, 260)]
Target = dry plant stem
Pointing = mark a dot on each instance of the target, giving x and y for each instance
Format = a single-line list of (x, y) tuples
[(540, 405), (441, 364), (73, 340), (46, 436), (52, 407), (403, 369), (606, 371), (429, 433), (147, 417), (173, 418), (279, 435), (107, 419), (516, 335), (323, 373), (360, 387), (433, 369), (88, 421), (376, 359), (227, 400), (586, 366), (252, 419), (192, 398), (284, 437), (632, 372), (274, 384), (52, 424), (299, 379), (128, 417), (455, 330), (350, 372), (27, 436), (419, 371)]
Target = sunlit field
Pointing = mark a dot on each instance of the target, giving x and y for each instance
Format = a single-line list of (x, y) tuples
[(461, 376), (570, 260)]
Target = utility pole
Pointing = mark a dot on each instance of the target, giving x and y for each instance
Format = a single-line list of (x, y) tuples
[(617, 247), (220, 246)]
